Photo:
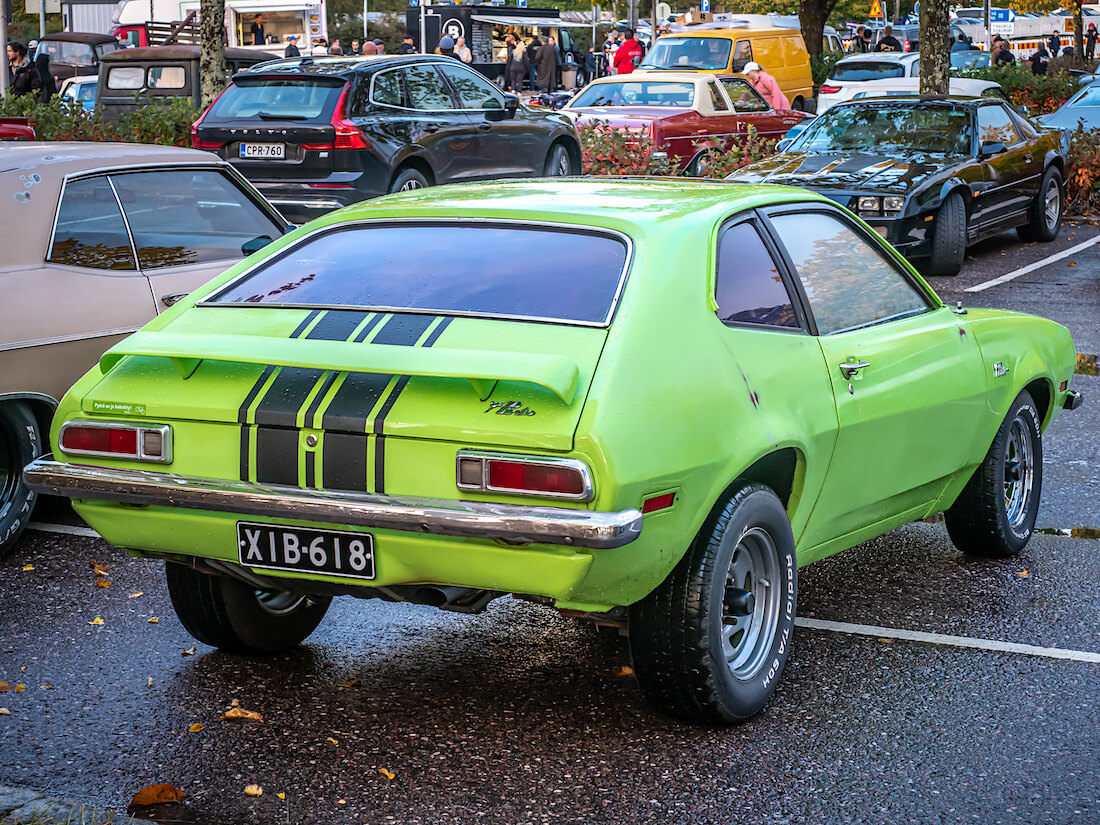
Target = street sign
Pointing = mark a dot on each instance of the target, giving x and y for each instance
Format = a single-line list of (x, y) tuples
[(1002, 16), (705, 6), (522, 4), (876, 9), (1001, 28)]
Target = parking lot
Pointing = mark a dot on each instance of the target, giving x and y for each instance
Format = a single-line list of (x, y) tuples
[(401, 713)]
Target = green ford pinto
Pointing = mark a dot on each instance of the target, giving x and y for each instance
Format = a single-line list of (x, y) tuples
[(643, 401)]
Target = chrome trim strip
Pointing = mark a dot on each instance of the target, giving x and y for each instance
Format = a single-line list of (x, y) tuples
[(474, 519), (312, 204), (165, 431), (587, 493), (210, 300), (67, 339)]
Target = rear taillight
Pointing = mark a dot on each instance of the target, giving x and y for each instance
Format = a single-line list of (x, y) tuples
[(907, 48), (100, 438), (525, 475), (828, 90), (205, 144), (348, 135)]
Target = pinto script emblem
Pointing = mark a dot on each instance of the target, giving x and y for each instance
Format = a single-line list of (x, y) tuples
[(509, 408)]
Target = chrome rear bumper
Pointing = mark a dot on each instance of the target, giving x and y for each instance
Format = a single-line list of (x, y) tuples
[(474, 519)]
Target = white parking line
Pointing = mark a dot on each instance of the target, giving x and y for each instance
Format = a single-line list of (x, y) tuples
[(67, 529), (1016, 273), (954, 641)]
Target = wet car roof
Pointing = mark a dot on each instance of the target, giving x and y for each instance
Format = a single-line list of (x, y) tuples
[(91, 38), (338, 66)]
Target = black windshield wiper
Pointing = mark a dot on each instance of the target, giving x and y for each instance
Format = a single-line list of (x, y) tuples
[(269, 116)]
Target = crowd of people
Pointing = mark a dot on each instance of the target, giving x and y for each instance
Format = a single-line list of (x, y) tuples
[(27, 77)]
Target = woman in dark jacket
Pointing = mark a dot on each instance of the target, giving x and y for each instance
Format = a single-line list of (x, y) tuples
[(47, 88)]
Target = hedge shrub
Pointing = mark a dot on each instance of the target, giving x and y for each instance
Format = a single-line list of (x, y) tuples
[(167, 123)]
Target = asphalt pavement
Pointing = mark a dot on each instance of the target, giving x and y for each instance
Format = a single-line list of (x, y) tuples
[(405, 714)]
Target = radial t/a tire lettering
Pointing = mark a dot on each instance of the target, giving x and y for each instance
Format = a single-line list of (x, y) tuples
[(226, 613), (1045, 214), (710, 643), (995, 513), (20, 444)]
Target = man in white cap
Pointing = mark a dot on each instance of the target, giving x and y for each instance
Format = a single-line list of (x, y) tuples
[(766, 85)]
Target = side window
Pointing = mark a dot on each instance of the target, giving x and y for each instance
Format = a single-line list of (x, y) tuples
[(126, 77), (748, 287), (90, 231), (914, 69), (426, 89), (742, 54), (473, 91), (744, 97), (716, 99), (995, 126), (188, 216), (386, 89), (167, 77), (847, 281)]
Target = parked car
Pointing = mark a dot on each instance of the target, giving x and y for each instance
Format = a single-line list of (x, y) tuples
[(81, 89), (931, 176), (681, 111), (908, 86), (442, 426), (859, 68), (317, 134), (75, 53), (780, 51), (129, 78), (16, 128), (1081, 108), (98, 239)]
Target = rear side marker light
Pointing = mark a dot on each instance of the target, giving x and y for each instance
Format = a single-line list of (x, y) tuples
[(655, 503), (110, 440), (565, 478), (828, 90)]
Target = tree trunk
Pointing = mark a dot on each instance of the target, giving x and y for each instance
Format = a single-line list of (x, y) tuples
[(212, 50), (1078, 35), (935, 48), (813, 14)]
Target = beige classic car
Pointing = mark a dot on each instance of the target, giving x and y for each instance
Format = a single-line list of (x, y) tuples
[(97, 239)]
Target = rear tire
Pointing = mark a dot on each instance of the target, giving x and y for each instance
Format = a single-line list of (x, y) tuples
[(227, 613), (1046, 213), (995, 513), (20, 444), (408, 179), (559, 163), (948, 237), (710, 643)]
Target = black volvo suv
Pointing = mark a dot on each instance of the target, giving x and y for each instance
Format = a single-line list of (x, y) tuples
[(317, 134)]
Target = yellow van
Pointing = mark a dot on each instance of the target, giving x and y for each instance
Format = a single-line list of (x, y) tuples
[(780, 51)]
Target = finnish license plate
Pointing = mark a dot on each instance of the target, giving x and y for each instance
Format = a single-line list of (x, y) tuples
[(264, 151), (332, 552)]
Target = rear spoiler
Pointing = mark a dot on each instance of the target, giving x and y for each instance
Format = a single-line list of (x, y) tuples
[(482, 368)]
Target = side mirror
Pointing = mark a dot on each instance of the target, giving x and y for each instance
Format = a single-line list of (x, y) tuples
[(783, 144), (1023, 110), (990, 148)]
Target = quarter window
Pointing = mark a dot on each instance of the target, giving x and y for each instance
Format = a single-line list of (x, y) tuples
[(744, 97), (126, 77), (716, 99), (995, 126), (742, 54), (90, 231), (426, 89), (167, 77), (847, 281), (749, 288), (473, 92), (387, 89)]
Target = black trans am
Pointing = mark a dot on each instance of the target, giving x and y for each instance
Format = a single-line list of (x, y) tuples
[(932, 176)]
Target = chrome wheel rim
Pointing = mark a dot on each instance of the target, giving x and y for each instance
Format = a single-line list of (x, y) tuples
[(1019, 472), (411, 184), (750, 609), (1053, 205), (278, 602)]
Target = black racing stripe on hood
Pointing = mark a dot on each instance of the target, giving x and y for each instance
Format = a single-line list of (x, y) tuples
[(815, 163), (859, 163)]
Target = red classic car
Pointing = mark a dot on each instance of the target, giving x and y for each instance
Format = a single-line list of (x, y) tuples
[(681, 110), (15, 128)]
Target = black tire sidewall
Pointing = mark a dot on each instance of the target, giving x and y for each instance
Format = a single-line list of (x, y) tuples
[(950, 223), (552, 160), (404, 176), (738, 698), (1017, 538), (264, 632), (1040, 222), (21, 427)]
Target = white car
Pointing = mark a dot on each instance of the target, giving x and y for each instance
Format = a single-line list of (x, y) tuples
[(896, 87), (858, 69)]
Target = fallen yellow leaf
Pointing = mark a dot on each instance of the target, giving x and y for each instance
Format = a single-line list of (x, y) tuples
[(5, 712), (100, 569), (1071, 263), (135, 594), (47, 687), (20, 688), (28, 568), (241, 713), (154, 620), (341, 802), (189, 652), (156, 795), (96, 620), (387, 774), (253, 790), (1024, 574), (4, 686), (236, 703), (281, 795), (886, 641), (103, 583), (149, 682), (333, 741), (195, 728), (348, 683)]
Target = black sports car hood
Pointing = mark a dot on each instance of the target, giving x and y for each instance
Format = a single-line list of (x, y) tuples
[(846, 171)]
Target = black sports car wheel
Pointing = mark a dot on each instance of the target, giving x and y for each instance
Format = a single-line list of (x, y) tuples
[(711, 641), (20, 444), (948, 237), (1046, 213), (995, 513), (229, 614), (408, 179)]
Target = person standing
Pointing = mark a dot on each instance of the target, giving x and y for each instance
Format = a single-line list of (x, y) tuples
[(547, 61), (888, 43), (589, 65), (517, 66), (766, 85), (355, 50), (47, 88), (856, 44), (256, 31), (1090, 41), (292, 47), (407, 46), (1054, 43), (628, 53), (22, 76), (1002, 54), (463, 51), (532, 62), (379, 46), (1040, 60)]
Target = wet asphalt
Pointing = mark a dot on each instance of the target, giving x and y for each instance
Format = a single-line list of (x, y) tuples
[(519, 715)]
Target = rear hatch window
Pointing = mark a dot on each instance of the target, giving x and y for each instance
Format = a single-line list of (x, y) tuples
[(562, 275), (867, 70), (277, 98)]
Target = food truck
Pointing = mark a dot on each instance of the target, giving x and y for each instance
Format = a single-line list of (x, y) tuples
[(485, 28)]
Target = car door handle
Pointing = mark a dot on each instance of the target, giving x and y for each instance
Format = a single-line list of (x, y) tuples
[(484, 127), (850, 369), (173, 297), (1027, 158)]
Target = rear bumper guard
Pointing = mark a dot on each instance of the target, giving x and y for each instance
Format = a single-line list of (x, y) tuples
[(473, 519)]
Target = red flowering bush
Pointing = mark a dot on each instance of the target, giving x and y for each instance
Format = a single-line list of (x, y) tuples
[(167, 123)]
